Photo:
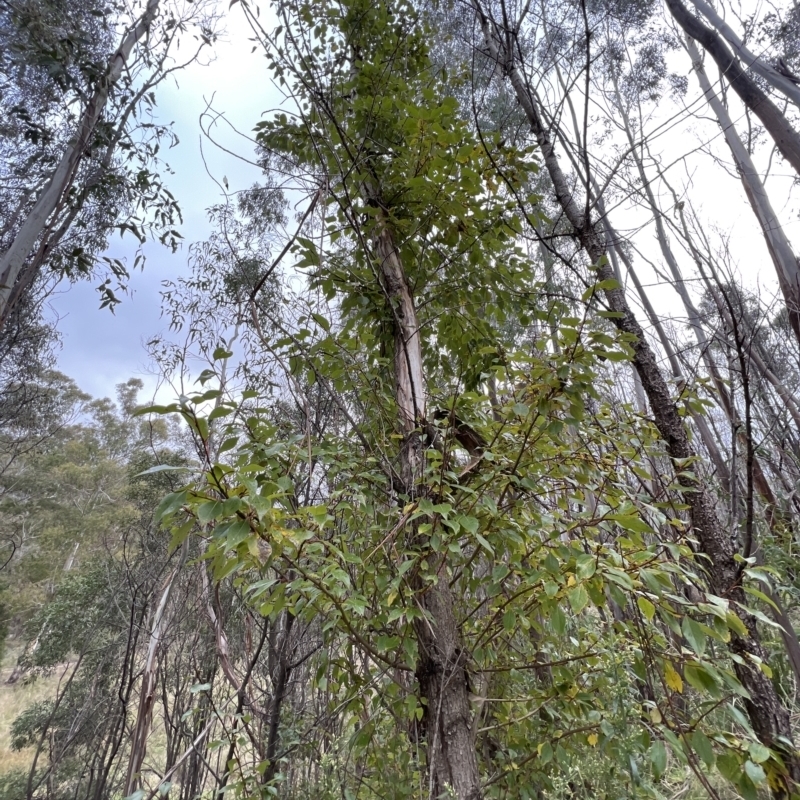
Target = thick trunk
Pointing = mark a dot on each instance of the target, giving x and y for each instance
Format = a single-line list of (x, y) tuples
[(780, 249), (441, 670), (13, 261), (769, 718)]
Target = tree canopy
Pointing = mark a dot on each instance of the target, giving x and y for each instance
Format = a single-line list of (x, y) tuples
[(439, 498)]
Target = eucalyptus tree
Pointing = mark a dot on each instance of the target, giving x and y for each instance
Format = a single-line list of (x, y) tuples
[(81, 154), (742, 70), (503, 44)]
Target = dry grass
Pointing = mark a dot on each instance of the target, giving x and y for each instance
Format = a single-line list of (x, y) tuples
[(14, 699)]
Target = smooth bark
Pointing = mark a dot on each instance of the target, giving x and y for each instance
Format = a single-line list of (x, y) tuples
[(747, 56), (12, 263), (780, 249), (778, 126)]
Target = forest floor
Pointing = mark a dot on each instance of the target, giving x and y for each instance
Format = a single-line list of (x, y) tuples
[(14, 699)]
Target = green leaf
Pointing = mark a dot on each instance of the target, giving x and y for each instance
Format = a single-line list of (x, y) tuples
[(694, 635), (559, 621), (729, 766), (578, 598), (698, 676), (469, 523), (631, 522), (703, 747), (646, 607), (163, 468), (755, 772), (170, 504), (322, 322), (585, 566), (170, 409), (758, 752), (658, 758)]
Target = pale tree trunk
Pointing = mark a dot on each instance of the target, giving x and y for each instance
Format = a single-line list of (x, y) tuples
[(775, 518), (769, 718), (441, 670), (780, 249), (147, 697), (748, 58), (13, 260), (773, 119), (753, 352)]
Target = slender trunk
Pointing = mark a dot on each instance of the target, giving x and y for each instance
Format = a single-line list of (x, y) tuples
[(13, 260), (780, 249), (769, 718), (709, 441), (144, 716), (748, 58), (280, 682), (773, 119)]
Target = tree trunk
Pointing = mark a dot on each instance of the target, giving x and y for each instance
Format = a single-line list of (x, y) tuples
[(441, 670), (769, 718), (780, 249), (750, 59), (144, 716), (776, 123), (13, 261)]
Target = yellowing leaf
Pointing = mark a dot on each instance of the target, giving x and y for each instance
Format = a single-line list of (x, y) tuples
[(646, 607), (655, 716), (592, 739), (673, 678)]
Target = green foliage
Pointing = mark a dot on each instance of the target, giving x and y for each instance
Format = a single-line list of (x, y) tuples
[(589, 665)]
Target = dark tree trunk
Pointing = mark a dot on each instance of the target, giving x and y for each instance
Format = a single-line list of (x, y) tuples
[(769, 718), (441, 670)]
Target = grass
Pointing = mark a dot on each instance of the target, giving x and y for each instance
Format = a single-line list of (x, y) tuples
[(14, 699)]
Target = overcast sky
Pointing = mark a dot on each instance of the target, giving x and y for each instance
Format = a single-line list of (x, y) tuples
[(101, 350)]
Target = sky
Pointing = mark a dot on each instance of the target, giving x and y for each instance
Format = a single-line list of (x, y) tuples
[(101, 349)]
